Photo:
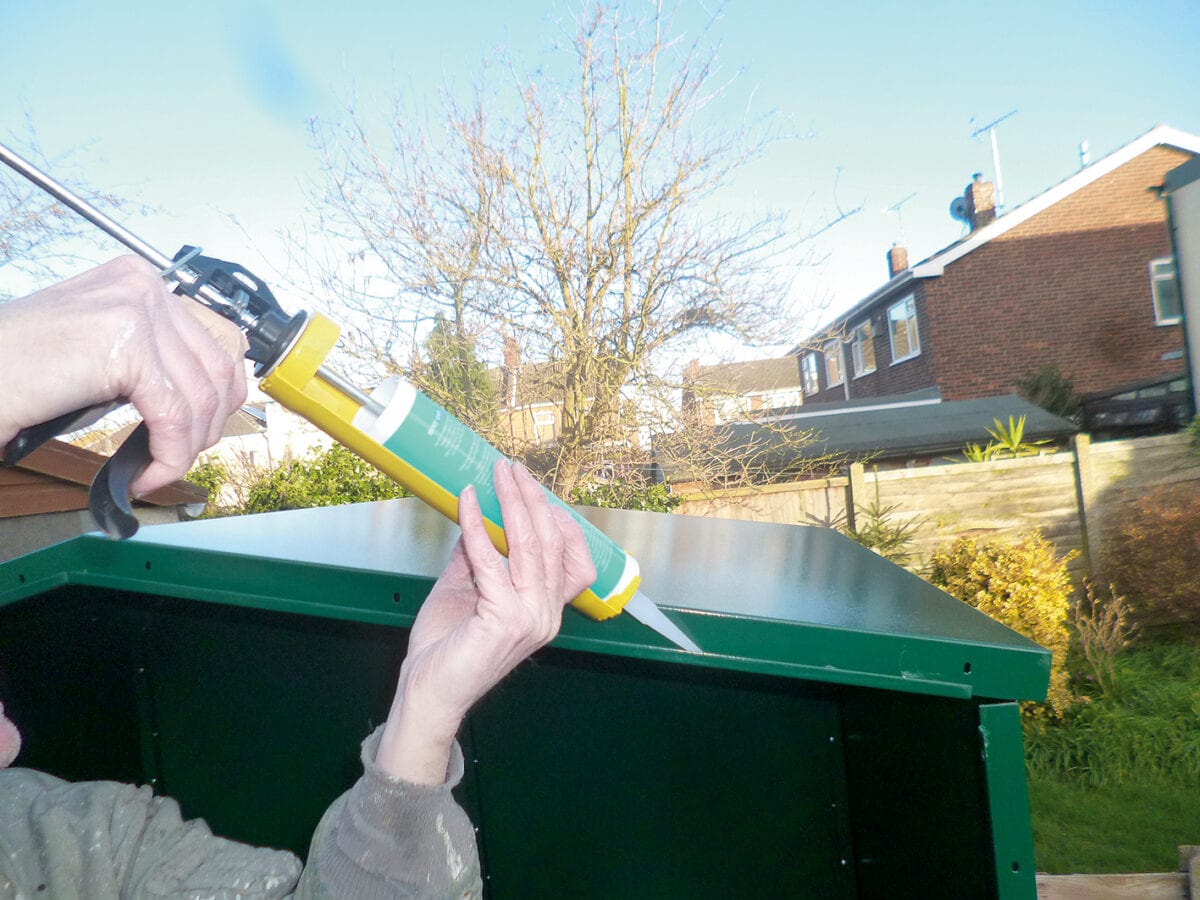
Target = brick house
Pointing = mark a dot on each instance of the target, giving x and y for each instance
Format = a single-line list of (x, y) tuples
[(529, 398), (730, 392), (1080, 277)]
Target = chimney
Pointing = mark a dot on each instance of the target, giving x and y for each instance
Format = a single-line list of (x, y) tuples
[(897, 260), (512, 353), (512, 365), (981, 202)]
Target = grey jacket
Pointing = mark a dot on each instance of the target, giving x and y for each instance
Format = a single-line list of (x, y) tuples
[(384, 838)]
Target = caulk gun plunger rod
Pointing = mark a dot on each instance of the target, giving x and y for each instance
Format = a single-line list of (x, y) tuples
[(210, 297), (82, 207)]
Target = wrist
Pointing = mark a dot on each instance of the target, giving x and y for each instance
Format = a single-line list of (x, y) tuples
[(416, 741)]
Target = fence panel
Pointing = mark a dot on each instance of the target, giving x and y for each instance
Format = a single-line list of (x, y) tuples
[(819, 501), (1072, 496), (1003, 499)]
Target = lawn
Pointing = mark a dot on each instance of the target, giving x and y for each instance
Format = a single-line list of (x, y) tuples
[(1128, 827), (1116, 787)]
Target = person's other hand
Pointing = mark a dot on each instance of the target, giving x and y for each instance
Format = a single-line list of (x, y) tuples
[(481, 619), (116, 333)]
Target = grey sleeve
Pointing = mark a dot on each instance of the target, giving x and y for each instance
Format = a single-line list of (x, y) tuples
[(388, 838), (101, 840)]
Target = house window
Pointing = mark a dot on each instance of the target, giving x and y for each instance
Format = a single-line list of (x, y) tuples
[(809, 379), (833, 363), (776, 399), (902, 329), (543, 426), (862, 350), (1164, 286)]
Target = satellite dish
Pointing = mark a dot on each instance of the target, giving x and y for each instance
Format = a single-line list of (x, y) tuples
[(958, 209)]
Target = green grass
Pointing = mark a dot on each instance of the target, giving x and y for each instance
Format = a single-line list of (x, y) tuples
[(1130, 827), (1116, 787)]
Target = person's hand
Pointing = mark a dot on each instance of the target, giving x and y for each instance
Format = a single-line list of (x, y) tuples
[(116, 333), (481, 619)]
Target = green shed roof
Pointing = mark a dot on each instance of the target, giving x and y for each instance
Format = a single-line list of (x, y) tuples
[(792, 601)]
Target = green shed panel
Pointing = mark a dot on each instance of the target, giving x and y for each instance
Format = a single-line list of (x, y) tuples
[(848, 731)]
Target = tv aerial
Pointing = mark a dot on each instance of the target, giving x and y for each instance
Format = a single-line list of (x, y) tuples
[(990, 128), (895, 208)]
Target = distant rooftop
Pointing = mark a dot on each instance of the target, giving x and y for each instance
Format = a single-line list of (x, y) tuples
[(916, 424)]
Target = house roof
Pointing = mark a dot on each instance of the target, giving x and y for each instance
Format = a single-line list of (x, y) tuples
[(1158, 136), (55, 478), (250, 419), (935, 265), (917, 424), (749, 377)]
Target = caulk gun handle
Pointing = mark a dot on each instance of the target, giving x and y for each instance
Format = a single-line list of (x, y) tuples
[(29, 439), (108, 497)]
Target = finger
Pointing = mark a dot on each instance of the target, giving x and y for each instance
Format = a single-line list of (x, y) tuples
[(524, 550), (487, 565), (221, 348), (177, 402), (579, 570), (217, 347), (545, 526), (191, 380)]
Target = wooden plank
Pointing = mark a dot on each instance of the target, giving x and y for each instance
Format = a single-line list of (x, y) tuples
[(1167, 886), (46, 497)]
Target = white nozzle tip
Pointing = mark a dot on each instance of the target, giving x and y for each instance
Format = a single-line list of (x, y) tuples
[(647, 612)]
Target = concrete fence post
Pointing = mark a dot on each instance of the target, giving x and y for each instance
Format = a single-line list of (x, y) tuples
[(856, 490), (1085, 493)]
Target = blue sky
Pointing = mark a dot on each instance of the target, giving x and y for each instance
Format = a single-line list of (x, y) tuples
[(200, 110)]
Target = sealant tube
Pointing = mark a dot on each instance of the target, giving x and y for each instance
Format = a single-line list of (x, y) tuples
[(430, 453)]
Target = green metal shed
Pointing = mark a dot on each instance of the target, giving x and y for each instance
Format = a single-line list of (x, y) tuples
[(849, 731)]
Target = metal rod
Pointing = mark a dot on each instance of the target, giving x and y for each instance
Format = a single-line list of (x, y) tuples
[(82, 207), (160, 261)]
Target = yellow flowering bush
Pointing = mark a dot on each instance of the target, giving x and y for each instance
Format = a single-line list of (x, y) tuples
[(1024, 586)]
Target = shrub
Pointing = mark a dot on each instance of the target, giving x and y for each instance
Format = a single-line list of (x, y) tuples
[(1193, 431), (1151, 556), (624, 495), (1104, 627), (1048, 388), (877, 528), (208, 475), (1006, 443), (1026, 587), (327, 478)]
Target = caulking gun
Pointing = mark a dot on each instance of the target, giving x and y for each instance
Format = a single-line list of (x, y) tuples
[(396, 428)]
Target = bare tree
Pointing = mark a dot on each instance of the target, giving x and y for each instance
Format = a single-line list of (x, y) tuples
[(582, 225), (40, 239)]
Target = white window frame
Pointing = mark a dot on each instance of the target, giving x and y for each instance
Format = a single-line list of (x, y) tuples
[(777, 399), (863, 336), (810, 374), (834, 375), (1156, 278), (914, 333), (544, 418)]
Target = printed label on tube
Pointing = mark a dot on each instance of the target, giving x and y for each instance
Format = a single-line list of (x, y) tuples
[(446, 451)]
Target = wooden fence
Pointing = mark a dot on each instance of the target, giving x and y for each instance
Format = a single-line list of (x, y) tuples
[(1071, 495)]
